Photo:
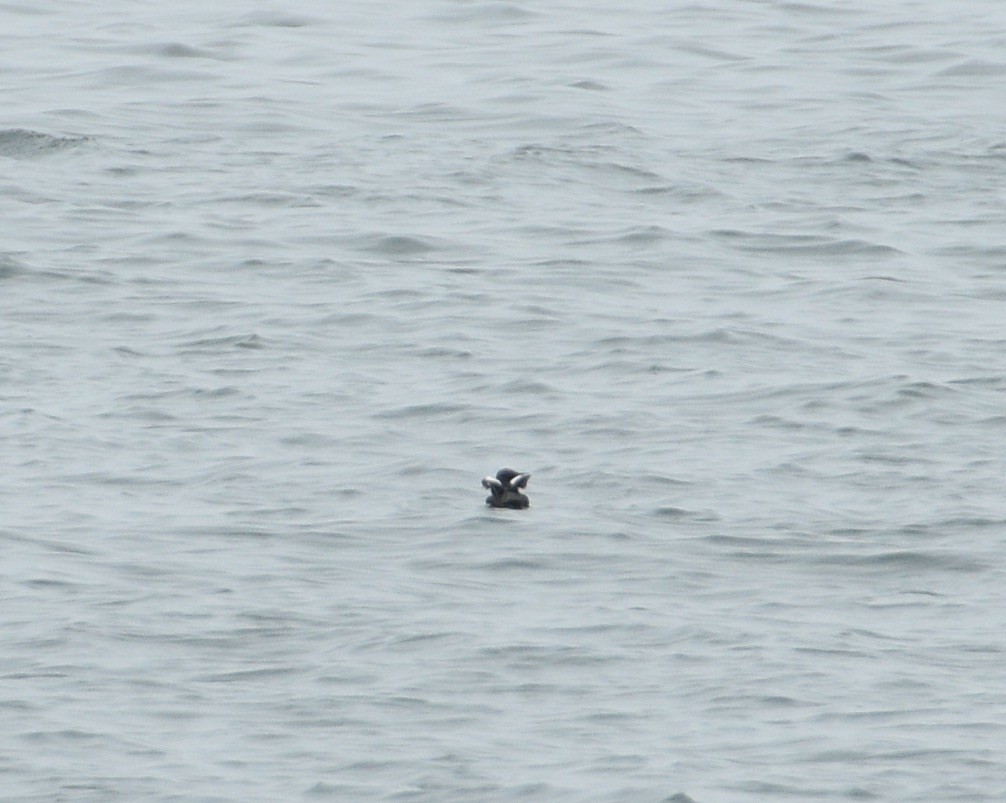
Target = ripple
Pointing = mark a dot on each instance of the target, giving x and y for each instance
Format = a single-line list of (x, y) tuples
[(20, 143)]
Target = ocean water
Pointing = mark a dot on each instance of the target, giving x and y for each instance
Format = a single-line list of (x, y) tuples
[(279, 285)]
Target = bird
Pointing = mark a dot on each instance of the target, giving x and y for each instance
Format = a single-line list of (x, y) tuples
[(505, 489)]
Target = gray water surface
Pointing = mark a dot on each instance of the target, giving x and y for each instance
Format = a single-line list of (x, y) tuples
[(279, 286)]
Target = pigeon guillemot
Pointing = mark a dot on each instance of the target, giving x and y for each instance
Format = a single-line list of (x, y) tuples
[(505, 489)]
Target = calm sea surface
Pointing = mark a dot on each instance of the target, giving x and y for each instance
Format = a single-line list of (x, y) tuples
[(279, 284)]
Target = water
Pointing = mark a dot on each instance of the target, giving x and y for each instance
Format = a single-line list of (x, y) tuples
[(278, 287)]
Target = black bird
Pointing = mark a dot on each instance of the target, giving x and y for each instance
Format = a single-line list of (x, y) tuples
[(505, 489)]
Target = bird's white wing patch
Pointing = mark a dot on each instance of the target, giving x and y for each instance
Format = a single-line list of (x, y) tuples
[(491, 482), (520, 480)]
